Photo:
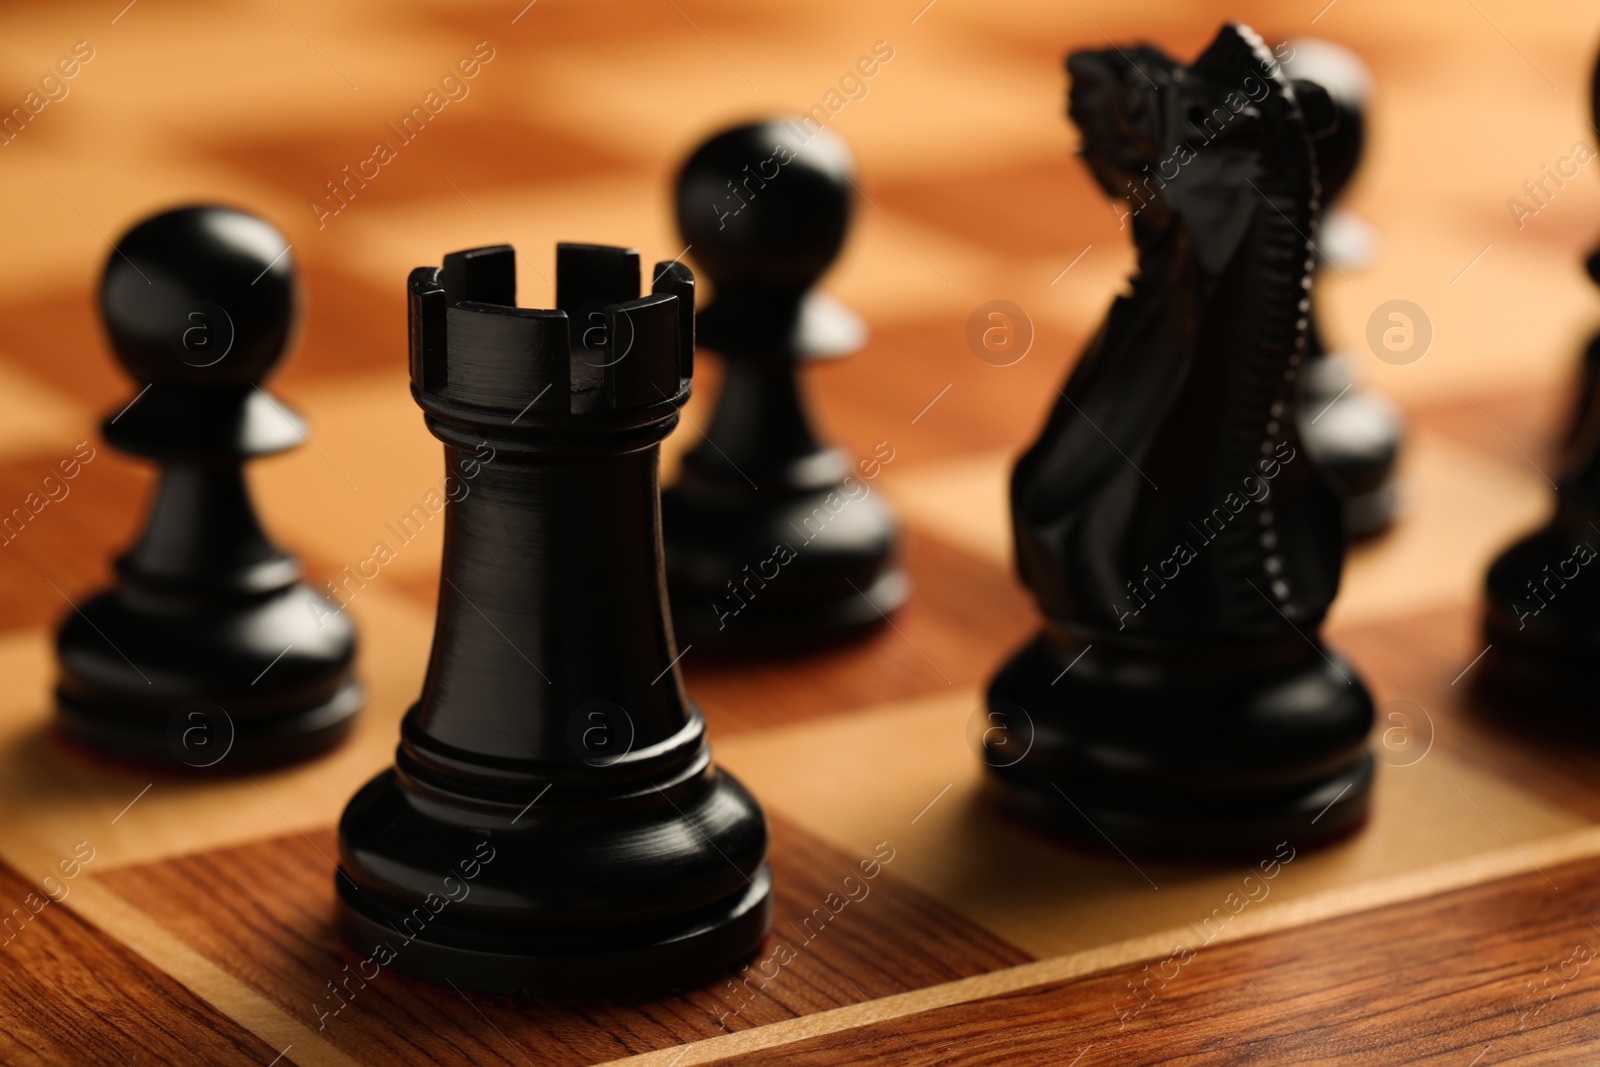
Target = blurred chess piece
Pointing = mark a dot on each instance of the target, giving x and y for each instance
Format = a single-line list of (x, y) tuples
[(1589, 369), (208, 647), (1588, 374), (1542, 618), (775, 540), (1542, 622), (1353, 435)]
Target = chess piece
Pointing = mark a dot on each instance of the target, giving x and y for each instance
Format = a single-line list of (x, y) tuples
[(208, 647), (775, 541), (553, 823), (1353, 435), (1183, 550), (1589, 369), (1542, 621)]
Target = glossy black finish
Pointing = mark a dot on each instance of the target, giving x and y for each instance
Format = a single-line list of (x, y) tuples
[(1588, 373), (775, 541), (1353, 434), (1183, 550), (1212, 750), (1589, 369), (1542, 619), (553, 823), (208, 651)]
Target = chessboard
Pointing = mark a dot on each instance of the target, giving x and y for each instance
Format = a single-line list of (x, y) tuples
[(189, 918)]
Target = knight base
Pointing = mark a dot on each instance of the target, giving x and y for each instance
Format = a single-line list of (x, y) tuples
[(1195, 752)]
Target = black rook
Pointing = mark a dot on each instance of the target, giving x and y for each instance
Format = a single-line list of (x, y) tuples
[(553, 823)]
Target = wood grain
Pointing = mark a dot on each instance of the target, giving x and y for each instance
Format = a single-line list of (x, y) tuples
[(68, 994), (263, 913), (1434, 981)]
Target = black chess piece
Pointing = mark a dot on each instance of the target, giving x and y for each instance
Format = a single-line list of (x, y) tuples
[(1352, 434), (208, 647), (1181, 546), (1542, 619), (775, 541), (553, 823), (1588, 377), (1589, 369)]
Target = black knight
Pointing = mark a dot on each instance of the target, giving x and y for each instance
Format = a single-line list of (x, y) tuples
[(1183, 548)]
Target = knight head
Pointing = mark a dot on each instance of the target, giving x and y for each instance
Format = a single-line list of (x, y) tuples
[(1153, 127), (1123, 103)]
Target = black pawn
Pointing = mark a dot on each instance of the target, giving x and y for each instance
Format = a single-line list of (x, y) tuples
[(1352, 434), (1589, 367), (1542, 622), (553, 824), (1589, 370), (775, 540), (208, 647)]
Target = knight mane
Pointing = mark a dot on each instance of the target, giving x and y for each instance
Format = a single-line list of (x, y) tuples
[(1288, 183)]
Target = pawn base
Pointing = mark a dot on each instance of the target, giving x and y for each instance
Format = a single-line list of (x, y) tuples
[(1371, 513), (1354, 436), (185, 683), (789, 626), (229, 746), (1541, 607), (1514, 682), (751, 573), (1193, 753)]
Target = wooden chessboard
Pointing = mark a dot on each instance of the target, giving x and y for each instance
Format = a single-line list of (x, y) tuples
[(1455, 929)]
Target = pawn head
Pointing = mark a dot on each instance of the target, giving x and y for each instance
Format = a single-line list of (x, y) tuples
[(199, 296), (1344, 78), (767, 205)]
